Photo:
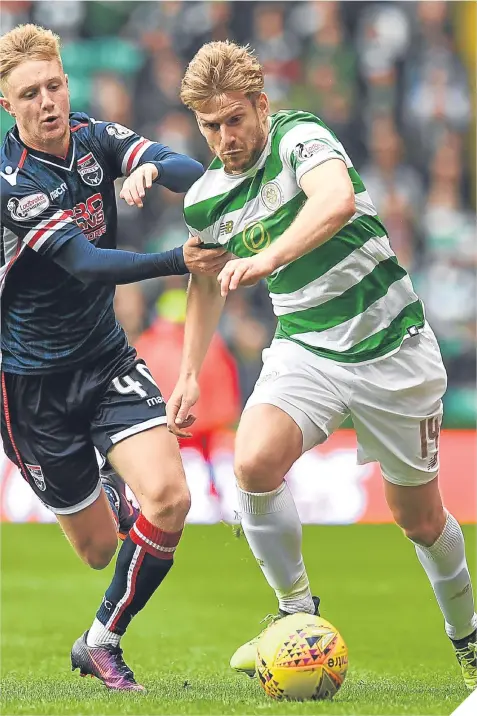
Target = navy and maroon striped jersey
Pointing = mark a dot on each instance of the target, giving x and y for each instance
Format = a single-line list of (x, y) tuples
[(50, 320)]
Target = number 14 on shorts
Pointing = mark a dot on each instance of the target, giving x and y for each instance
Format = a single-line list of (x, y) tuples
[(430, 431)]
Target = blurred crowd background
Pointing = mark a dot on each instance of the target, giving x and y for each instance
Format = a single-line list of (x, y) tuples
[(394, 80)]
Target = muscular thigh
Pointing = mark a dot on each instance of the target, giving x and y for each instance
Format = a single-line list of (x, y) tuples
[(397, 411), (150, 463)]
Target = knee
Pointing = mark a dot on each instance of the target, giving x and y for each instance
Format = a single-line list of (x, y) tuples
[(258, 470), (168, 502), (98, 556), (423, 529)]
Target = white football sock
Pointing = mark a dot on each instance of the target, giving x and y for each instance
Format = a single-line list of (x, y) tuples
[(446, 567), (273, 530), (98, 635)]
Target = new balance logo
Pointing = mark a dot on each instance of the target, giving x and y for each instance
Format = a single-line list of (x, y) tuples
[(226, 228)]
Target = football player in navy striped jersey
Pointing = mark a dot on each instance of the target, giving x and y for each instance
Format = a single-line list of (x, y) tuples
[(70, 383)]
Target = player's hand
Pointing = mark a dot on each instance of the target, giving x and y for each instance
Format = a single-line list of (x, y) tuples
[(244, 272), (204, 261), (134, 187), (179, 418)]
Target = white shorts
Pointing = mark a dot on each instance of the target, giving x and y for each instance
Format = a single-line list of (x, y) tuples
[(395, 403)]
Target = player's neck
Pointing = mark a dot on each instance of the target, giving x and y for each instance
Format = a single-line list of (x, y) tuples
[(58, 148)]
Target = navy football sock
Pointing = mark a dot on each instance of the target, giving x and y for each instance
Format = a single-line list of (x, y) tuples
[(143, 561)]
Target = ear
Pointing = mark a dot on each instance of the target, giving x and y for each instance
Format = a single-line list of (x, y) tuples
[(263, 105), (6, 105), (67, 80)]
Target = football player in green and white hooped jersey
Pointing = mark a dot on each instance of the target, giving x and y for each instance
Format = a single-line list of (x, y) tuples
[(283, 196)]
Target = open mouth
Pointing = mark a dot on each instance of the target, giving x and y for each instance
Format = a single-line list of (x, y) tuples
[(50, 120)]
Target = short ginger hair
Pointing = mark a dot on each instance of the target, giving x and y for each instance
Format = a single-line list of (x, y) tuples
[(26, 42), (218, 68)]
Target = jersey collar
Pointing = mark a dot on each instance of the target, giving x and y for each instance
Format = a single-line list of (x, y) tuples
[(59, 162)]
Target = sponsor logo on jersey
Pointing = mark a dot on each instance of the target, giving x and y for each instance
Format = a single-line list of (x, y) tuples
[(271, 195), (306, 150), (118, 131), (89, 216), (28, 206), (37, 474), (58, 191), (89, 170), (255, 237)]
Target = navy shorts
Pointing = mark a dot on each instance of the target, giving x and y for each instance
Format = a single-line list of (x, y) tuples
[(52, 423)]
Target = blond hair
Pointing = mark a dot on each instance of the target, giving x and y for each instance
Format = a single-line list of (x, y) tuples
[(26, 42), (219, 68)]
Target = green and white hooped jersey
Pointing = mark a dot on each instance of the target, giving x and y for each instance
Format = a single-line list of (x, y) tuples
[(349, 299)]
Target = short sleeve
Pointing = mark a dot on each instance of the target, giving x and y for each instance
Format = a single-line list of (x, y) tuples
[(307, 145)]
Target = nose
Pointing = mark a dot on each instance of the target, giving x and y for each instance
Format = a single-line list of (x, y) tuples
[(47, 101), (227, 137)]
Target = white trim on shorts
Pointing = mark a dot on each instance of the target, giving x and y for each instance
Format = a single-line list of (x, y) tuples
[(426, 477), (80, 505), (139, 428)]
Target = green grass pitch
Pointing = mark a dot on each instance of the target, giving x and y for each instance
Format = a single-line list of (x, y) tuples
[(371, 585)]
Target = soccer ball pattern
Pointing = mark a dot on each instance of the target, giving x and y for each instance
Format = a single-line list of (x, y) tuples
[(301, 657)]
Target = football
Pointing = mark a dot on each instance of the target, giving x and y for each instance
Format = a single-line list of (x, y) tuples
[(301, 657)]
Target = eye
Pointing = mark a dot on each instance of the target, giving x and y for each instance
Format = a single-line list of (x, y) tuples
[(54, 86), (213, 126), (29, 94), (236, 119)]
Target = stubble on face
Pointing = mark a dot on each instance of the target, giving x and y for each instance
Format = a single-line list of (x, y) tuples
[(248, 156), (247, 141)]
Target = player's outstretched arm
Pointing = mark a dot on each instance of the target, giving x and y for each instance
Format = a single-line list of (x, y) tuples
[(89, 264), (204, 307)]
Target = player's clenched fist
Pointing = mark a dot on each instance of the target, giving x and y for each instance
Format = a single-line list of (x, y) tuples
[(204, 261), (134, 187), (179, 418)]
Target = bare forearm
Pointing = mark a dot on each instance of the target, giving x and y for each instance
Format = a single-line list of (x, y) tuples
[(321, 217), (204, 307)]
